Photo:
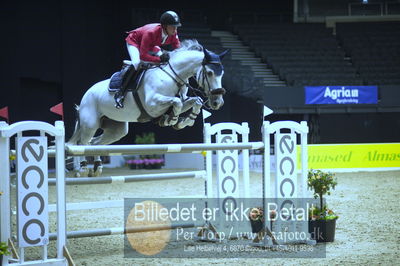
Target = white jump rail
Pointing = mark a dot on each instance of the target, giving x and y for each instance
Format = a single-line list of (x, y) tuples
[(110, 150), (130, 178), (77, 206), (123, 230)]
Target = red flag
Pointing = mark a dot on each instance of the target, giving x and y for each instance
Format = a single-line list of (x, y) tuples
[(4, 113), (58, 109)]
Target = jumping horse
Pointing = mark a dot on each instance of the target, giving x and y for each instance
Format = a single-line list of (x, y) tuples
[(162, 88)]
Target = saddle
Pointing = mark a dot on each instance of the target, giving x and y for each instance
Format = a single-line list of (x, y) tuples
[(117, 79), (129, 79)]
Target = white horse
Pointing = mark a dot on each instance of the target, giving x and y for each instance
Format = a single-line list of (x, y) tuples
[(162, 86)]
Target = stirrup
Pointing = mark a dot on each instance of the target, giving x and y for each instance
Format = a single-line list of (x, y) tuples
[(119, 100)]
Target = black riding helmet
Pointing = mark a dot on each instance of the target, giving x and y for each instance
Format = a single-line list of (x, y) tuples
[(170, 18)]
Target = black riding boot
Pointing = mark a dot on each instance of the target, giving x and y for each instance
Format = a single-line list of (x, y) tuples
[(120, 94)]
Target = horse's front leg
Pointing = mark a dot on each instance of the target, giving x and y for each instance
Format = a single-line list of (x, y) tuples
[(176, 103), (189, 120), (190, 103)]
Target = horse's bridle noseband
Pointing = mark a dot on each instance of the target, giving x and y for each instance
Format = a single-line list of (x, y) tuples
[(218, 91)]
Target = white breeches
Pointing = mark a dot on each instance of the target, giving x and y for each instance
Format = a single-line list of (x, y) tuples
[(134, 54)]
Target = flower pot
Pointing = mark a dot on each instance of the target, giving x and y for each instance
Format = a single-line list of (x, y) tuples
[(322, 230), (256, 225), (256, 219)]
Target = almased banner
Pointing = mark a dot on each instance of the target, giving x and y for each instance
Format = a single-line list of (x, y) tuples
[(334, 156), (341, 95)]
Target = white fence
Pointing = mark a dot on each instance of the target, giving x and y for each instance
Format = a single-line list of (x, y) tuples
[(227, 172)]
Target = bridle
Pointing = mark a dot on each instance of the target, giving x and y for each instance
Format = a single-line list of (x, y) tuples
[(203, 77), (218, 91)]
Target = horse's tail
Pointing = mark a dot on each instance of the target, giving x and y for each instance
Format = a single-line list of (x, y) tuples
[(76, 136)]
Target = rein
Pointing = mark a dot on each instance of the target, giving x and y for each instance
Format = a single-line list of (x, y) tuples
[(173, 71), (204, 77)]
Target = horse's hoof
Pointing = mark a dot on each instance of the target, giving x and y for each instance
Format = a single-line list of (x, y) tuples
[(173, 121), (163, 121), (190, 124), (90, 173), (180, 125), (77, 174), (84, 171), (98, 171), (177, 127)]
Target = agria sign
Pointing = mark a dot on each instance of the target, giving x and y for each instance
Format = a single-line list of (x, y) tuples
[(341, 95), (32, 192)]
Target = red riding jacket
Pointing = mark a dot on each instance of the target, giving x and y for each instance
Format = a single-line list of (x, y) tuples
[(147, 37)]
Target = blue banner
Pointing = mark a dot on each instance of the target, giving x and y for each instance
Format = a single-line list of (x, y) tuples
[(341, 95)]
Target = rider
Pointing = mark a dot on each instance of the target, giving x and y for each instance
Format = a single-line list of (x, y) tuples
[(145, 44)]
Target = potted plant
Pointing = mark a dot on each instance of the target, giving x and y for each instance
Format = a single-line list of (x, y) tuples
[(4, 250), (257, 222), (145, 138), (153, 161), (322, 221), (135, 163)]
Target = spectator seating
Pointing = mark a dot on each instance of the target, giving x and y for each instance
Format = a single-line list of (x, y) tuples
[(301, 54), (238, 79), (374, 49)]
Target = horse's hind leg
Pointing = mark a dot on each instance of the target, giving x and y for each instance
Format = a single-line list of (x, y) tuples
[(86, 134), (89, 123), (112, 132)]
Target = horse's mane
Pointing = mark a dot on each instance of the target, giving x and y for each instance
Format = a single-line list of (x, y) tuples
[(190, 45)]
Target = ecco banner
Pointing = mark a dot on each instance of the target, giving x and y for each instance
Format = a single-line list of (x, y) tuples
[(227, 180), (341, 95), (32, 195)]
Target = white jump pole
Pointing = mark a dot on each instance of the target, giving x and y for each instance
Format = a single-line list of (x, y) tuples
[(109, 150), (122, 230), (130, 178)]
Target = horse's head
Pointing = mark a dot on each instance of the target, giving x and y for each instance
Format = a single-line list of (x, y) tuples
[(209, 77)]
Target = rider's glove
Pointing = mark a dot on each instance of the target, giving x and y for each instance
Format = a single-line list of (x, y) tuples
[(164, 57)]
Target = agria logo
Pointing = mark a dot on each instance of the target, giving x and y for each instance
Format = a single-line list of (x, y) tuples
[(342, 95)]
